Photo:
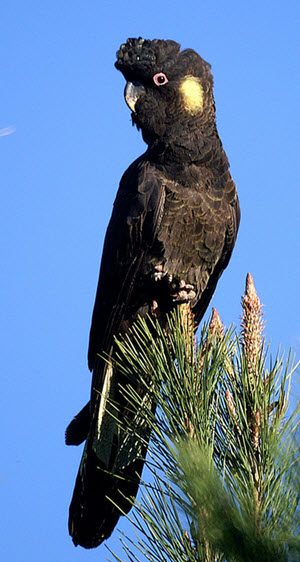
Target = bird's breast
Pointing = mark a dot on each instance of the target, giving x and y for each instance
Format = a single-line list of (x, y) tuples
[(192, 229)]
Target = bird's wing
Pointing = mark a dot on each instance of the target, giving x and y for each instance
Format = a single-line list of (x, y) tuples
[(135, 219), (222, 262), (131, 230)]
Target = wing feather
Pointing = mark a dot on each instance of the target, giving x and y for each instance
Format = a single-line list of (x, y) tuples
[(132, 228)]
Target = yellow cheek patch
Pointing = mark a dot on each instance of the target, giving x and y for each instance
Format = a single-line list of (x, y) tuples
[(192, 93)]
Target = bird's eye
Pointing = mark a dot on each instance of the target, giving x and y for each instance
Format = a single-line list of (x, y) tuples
[(160, 79)]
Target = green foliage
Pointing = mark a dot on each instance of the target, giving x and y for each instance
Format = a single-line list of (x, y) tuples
[(223, 455)]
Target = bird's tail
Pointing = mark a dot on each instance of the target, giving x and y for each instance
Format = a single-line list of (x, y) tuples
[(111, 464)]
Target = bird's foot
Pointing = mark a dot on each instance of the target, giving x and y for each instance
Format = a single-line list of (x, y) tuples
[(179, 290), (182, 292), (160, 274)]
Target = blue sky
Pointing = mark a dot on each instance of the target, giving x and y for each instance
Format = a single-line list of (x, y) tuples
[(59, 174)]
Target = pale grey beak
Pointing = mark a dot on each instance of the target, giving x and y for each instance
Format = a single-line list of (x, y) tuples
[(133, 91)]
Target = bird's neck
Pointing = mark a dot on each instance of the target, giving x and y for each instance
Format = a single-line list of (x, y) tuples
[(194, 145)]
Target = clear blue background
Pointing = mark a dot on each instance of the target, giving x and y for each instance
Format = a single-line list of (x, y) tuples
[(59, 174)]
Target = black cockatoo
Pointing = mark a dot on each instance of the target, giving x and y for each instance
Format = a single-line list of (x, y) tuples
[(171, 234)]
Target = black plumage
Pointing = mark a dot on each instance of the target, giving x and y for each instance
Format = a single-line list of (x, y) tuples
[(170, 236)]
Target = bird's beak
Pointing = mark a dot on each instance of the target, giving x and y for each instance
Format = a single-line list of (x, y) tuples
[(133, 91)]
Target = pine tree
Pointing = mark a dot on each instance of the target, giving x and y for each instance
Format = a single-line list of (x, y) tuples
[(223, 452)]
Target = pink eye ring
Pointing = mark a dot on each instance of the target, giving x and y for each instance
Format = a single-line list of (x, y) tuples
[(160, 79)]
